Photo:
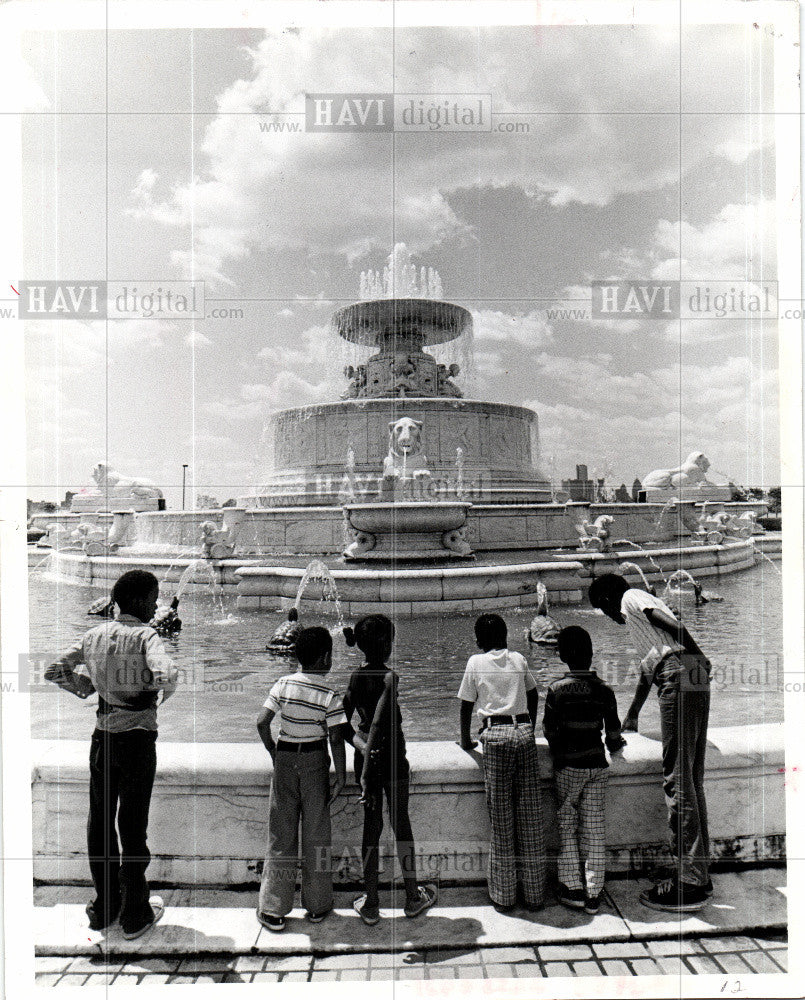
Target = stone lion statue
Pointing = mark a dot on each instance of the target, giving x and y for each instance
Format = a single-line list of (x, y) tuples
[(692, 472), (405, 448), (108, 480)]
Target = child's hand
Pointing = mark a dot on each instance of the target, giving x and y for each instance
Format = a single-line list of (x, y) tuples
[(629, 724), (368, 794), (467, 745), (337, 788), (617, 745)]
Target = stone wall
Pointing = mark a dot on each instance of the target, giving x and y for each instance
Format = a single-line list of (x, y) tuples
[(210, 804)]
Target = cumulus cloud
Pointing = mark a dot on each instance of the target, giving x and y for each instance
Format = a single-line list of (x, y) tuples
[(334, 192)]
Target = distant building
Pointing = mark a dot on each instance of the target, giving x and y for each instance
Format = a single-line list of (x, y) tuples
[(637, 486), (582, 487), (68, 499), (622, 494)]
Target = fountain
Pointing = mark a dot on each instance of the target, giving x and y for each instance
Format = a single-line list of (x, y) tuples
[(414, 497)]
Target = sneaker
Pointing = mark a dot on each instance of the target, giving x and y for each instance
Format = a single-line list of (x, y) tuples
[(708, 887), (159, 911), (677, 897), (316, 918), (592, 904), (427, 897), (370, 915), (271, 921), (574, 898), (98, 922)]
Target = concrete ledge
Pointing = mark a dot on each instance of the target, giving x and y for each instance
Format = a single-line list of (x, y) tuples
[(210, 806)]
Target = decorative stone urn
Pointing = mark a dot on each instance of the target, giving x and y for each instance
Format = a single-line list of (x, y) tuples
[(407, 531)]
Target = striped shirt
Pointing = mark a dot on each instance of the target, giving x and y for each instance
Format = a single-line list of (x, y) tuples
[(307, 707), (652, 643), (577, 707)]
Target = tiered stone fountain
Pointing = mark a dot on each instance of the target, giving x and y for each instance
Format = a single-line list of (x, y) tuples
[(417, 499)]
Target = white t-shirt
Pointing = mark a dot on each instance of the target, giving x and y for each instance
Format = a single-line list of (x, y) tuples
[(497, 682), (652, 643)]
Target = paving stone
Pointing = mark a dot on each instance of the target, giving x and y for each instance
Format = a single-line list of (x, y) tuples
[(780, 955), (526, 970), (250, 963), (732, 963), (236, 977), (644, 967), (470, 971), (670, 965), (266, 977), (702, 963), (91, 963), (615, 967), (488, 955), (440, 972), (293, 977), (446, 957), (124, 979), (51, 963), (74, 980), (759, 961), (202, 964), (180, 980), (498, 970), (391, 959), (738, 943), (564, 952), (47, 978), (620, 949), (353, 975), (151, 966), (411, 972), (377, 974), (155, 979), (587, 969), (558, 969), (287, 963), (99, 979), (319, 976), (674, 946), (341, 962)]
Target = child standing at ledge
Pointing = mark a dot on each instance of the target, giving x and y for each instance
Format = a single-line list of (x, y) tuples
[(672, 660), (499, 682), (577, 707), (128, 667), (381, 766), (309, 712)]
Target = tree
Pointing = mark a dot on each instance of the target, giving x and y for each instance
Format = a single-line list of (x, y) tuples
[(637, 486), (622, 494), (775, 495), (230, 503)]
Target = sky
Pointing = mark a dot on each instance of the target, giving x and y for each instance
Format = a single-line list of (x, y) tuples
[(177, 181)]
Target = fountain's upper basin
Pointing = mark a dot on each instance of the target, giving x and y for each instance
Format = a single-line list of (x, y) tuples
[(428, 320), (404, 517)]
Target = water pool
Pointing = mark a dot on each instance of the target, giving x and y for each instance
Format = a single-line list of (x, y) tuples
[(223, 649)]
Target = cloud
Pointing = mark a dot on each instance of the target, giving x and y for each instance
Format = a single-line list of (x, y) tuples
[(197, 339), (334, 193), (495, 326)]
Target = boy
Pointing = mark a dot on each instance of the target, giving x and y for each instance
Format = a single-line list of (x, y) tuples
[(577, 707), (309, 711), (127, 665), (673, 661), (498, 682)]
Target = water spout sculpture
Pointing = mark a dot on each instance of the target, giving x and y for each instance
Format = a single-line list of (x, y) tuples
[(543, 630), (595, 537)]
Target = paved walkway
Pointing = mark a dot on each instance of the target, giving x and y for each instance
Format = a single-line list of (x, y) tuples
[(209, 936)]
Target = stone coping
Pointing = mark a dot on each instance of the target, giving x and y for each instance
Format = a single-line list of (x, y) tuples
[(734, 748), (566, 565)]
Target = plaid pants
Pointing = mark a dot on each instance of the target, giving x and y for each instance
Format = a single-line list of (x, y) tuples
[(511, 779), (580, 813)]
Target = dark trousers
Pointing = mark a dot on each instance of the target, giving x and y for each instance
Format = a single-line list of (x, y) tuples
[(121, 776), (392, 781), (684, 698)]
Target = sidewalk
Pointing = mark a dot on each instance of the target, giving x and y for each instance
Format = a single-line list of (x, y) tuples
[(213, 936)]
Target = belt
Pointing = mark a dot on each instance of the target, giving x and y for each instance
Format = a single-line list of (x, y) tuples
[(308, 747), (506, 720)]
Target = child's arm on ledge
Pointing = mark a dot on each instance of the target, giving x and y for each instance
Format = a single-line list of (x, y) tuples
[(62, 672), (466, 742), (532, 701), (639, 699), (264, 729)]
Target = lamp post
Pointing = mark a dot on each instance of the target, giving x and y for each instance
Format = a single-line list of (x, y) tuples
[(184, 478)]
